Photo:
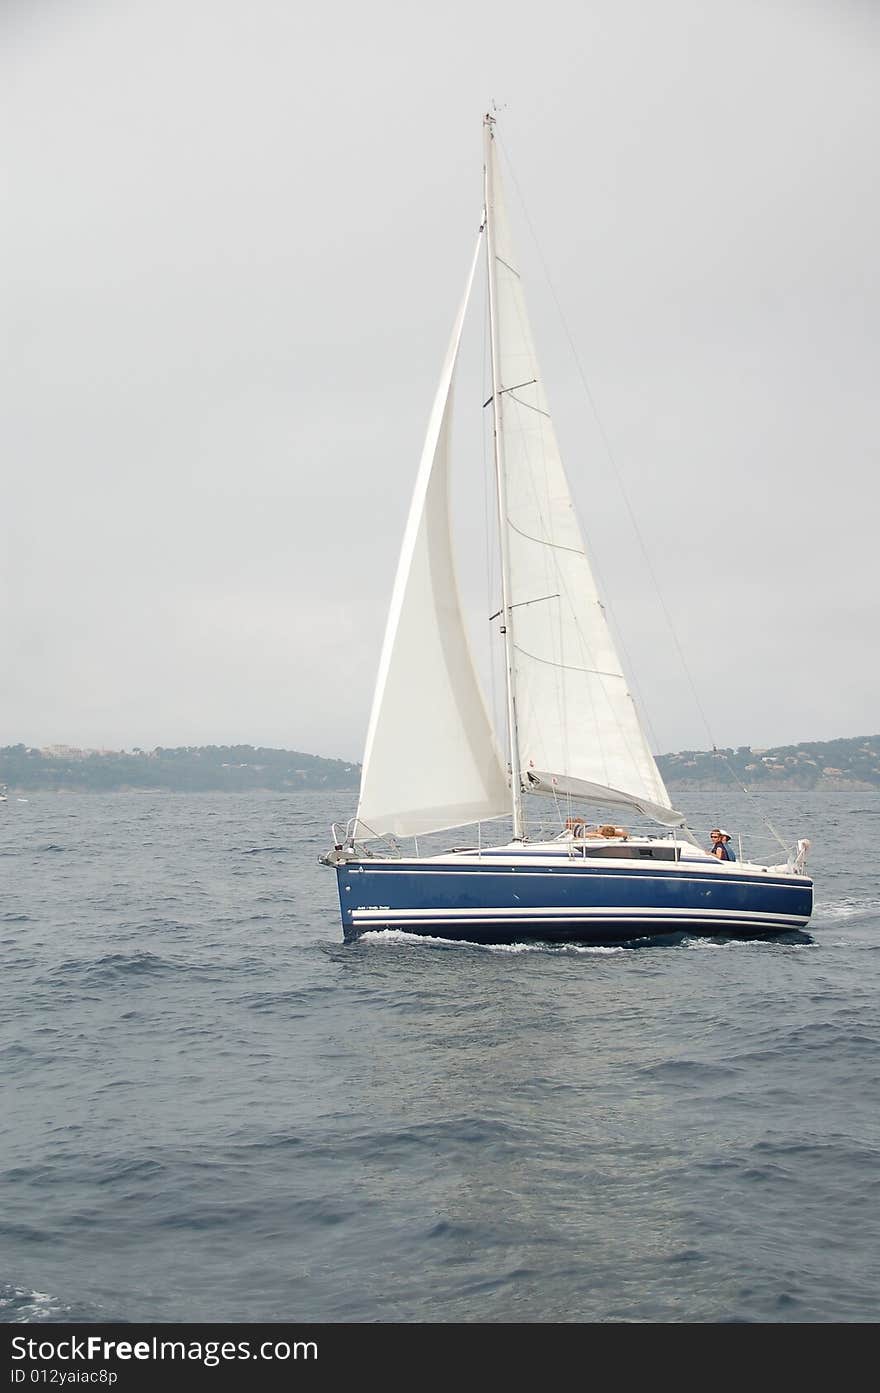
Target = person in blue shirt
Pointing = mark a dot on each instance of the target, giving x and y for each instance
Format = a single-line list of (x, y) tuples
[(721, 844)]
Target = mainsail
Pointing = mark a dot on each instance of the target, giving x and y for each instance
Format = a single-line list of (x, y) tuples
[(431, 761), (577, 728)]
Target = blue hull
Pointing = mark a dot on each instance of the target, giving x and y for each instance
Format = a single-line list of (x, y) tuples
[(487, 903)]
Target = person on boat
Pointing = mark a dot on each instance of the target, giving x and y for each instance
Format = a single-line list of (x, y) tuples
[(720, 844)]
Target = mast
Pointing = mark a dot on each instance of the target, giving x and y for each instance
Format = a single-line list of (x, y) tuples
[(501, 491)]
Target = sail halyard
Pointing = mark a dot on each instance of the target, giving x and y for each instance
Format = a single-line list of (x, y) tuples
[(577, 728), (498, 453), (431, 761)]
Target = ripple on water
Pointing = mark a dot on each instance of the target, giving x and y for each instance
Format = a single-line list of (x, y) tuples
[(849, 907), (390, 937), (222, 1112)]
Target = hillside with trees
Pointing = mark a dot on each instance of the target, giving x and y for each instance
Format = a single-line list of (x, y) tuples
[(821, 764), (830, 764), (186, 769)]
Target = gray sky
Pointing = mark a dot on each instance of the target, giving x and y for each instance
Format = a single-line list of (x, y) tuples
[(233, 241)]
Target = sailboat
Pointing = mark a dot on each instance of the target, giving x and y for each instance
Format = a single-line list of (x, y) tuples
[(433, 760)]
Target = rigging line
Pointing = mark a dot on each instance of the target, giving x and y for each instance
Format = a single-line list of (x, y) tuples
[(611, 457), (558, 809), (528, 404), (548, 448), (553, 572), (570, 667), (554, 567), (488, 550), (381, 836), (562, 695), (547, 453), (786, 847), (515, 388), (512, 269), (592, 565), (560, 649), (543, 541), (635, 754), (624, 495), (539, 599), (636, 748)]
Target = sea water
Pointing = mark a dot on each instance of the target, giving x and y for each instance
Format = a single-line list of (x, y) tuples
[(216, 1110)]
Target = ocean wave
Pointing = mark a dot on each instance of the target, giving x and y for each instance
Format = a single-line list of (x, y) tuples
[(850, 907), (793, 938), (392, 936), (690, 1070), (22, 1304), (113, 966)]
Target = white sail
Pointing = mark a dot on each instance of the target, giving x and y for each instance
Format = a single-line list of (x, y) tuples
[(431, 761), (578, 729)]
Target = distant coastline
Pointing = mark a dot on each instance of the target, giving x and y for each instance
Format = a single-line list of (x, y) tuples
[(829, 765), (184, 769), (851, 764)]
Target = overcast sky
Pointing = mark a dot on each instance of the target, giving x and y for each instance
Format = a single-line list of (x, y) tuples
[(231, 248)]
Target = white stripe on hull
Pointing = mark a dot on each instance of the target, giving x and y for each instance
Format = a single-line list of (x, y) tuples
[(568, 915), (653, 872)]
